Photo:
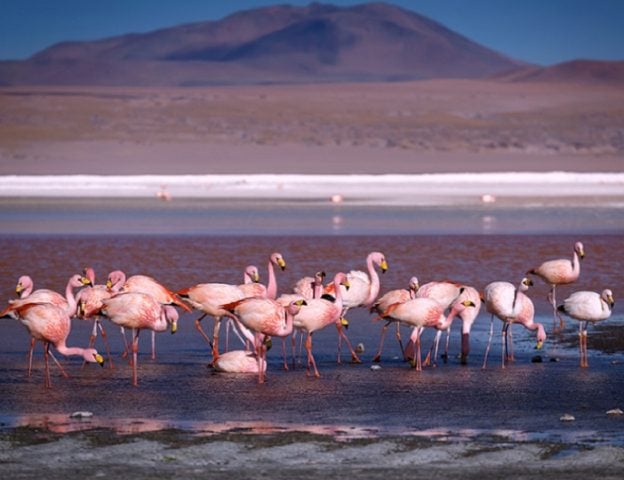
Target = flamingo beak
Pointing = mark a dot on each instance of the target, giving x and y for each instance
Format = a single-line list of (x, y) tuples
[(611, 301), (384, 266), (99, 359), (174, 327), (19, 288), (346, 284), (539, 344), (344, 322), (85, 281), (109, 284), (468, 303), (255, 278)]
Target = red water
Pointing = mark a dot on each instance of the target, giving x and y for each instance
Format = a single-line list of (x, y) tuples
[(180, 389)]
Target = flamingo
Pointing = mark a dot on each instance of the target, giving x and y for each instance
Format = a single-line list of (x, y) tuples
[(318, 314), (560, 272), (89, 301), (237, 361), (139, 311), (25, 288), (307, 288), (208, 298), (259, 318), (421, 313), (400, 295), (364, 289), (51, 324), (445, 292), (587, 307), (150, 286), (310, 287), (511, 305)]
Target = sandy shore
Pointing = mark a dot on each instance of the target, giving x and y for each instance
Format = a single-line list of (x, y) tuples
[(32, 452)]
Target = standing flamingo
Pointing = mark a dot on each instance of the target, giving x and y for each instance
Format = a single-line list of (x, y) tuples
[(400, 295), (139, 311), (511, 305), (560, 272), (150, 286), (51, 324), (363, 291), (421, 313), (259, 318), (208, 298), (319, 313), (587, 307), (25, 287), (310, 287), (89, 301)]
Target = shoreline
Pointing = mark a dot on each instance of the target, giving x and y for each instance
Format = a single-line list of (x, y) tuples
[(388, 189)]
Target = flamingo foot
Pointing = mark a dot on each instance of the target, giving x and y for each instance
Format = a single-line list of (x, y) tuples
[(377, 358)]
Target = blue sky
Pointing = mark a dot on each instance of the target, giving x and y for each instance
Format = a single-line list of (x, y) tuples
[(537, 31)]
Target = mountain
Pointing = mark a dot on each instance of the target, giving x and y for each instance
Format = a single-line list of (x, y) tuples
[(577, 71), (316, 43)]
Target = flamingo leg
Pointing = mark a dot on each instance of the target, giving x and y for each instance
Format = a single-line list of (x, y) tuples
[(311, 361), (342, 334), (33, 342), (93, 336), (585, 346), (105, 340), (124, 354), (504, 343), (487, 349), (446, 346), (46, 350), (377, 357), (201, 330), (63, 372), (153, 345), (398, 337), (284, 353), (511, 357), (135, 353)]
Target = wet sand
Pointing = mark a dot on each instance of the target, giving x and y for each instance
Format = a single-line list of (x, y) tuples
[(187, 420)]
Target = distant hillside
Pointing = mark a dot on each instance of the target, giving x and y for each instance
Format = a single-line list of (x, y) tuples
[(317, 43), (577, 71)]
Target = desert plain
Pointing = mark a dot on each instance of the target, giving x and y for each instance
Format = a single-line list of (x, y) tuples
[(375, 128)]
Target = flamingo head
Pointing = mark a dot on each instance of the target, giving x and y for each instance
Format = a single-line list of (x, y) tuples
[(91, 355), (79, 281), (413, 285), (251, 271), (116, 278), (607, 296), (89, 273), (379, 259), (525, 284), (24, 283), (171, 316), (541, 336), (341, 279), (295, 306), (578, 248), (278, 260)]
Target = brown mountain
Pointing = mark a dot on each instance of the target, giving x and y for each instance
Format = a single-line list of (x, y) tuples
[(317, 43), (577, 71)]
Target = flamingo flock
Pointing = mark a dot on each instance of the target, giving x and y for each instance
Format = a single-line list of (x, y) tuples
[(256, 313)]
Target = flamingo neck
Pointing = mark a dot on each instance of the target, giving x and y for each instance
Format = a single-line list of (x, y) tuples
[(576, 264), (74, 351), (444, 325), (374, 285), (72, 304), (272, 285)]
